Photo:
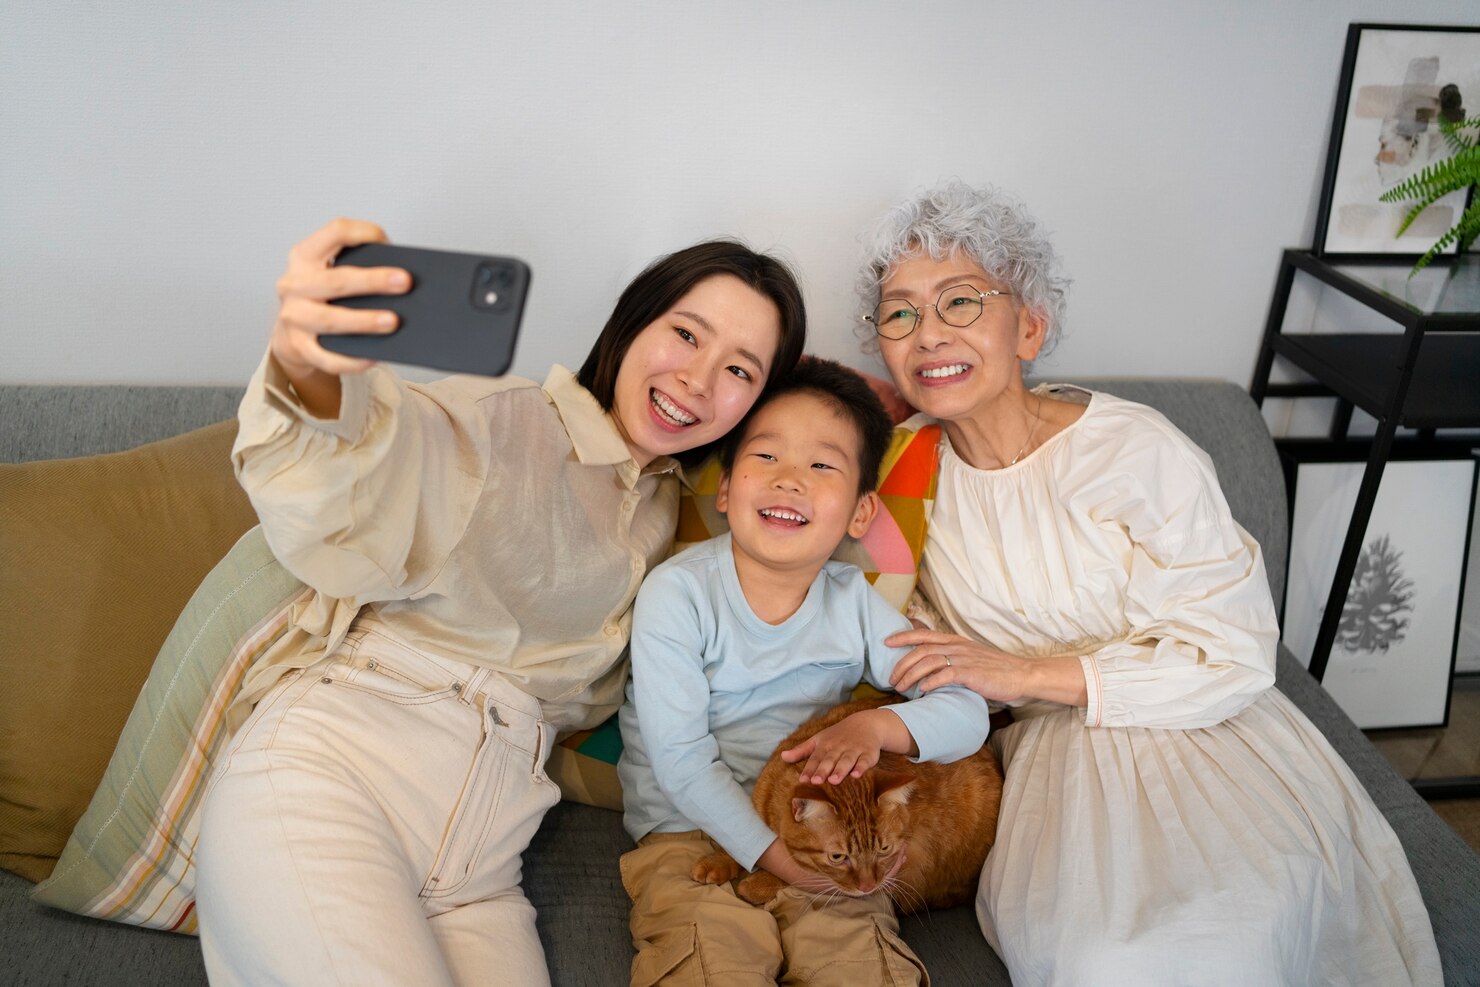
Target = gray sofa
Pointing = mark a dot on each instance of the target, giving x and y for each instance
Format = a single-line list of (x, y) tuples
[(571, 871)]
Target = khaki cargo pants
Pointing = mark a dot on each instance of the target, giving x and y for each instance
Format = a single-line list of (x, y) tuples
[(704, 935)]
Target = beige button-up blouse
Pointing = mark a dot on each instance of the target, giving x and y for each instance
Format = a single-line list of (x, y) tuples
[(493, 521)]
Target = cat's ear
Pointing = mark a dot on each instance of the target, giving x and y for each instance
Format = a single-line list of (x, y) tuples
[(893, 788), (809, 802)]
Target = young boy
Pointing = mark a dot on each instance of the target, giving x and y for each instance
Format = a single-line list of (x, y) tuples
[(735, 643)]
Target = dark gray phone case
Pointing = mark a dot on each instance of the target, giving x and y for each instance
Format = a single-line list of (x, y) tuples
[(461, 314)]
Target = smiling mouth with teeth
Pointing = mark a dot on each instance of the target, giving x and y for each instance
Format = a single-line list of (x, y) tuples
[(780, 514), (669, 410), (950, 371)]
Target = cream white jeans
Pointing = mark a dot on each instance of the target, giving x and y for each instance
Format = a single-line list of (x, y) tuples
[(366, 826)]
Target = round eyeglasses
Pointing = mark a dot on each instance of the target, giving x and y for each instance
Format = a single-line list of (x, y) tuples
[(959, 306)]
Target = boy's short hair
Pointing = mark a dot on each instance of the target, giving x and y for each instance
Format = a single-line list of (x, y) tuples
[(847, 391)]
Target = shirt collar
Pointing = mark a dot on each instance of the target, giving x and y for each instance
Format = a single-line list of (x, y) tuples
[(593, 432)]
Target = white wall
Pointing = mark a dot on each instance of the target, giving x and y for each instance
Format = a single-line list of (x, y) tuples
[(157, 159)]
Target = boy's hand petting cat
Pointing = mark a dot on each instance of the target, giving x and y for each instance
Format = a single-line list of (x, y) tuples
[(849, 747)]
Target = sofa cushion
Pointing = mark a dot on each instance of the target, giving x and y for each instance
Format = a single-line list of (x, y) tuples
[(99, 555), (131, 857)]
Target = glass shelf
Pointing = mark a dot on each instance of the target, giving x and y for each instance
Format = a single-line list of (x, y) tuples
[(1445, 287)]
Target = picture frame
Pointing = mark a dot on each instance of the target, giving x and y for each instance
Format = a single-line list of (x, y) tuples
[(1393, 661), (1384, 130)]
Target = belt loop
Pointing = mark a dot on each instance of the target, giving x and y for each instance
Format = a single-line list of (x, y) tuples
[(473, 689)]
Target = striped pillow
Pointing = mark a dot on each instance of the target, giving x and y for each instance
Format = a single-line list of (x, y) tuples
[(131, 856)]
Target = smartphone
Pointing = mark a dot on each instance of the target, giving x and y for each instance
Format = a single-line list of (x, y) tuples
[(461, 314)]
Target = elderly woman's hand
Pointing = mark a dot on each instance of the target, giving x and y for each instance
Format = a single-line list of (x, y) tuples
[(939, 659)]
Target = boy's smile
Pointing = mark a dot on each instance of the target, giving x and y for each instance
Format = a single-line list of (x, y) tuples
[(792, 493)]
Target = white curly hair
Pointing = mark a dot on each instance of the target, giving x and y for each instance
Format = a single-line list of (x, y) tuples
[(990, 226)]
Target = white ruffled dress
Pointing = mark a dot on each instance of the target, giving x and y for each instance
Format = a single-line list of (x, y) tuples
[(1191, 826)]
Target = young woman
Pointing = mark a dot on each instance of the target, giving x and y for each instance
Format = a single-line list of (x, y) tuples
[(475, 546)]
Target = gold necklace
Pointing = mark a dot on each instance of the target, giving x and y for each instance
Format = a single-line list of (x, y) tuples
[(1031, 432)]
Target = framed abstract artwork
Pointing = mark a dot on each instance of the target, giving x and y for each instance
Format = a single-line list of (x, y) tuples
[(1397, 82), (1392, 663)]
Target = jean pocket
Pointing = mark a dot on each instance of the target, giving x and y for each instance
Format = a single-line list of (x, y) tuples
[(380, 679)]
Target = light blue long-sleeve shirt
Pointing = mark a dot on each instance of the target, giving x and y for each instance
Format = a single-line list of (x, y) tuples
[(714, 689)]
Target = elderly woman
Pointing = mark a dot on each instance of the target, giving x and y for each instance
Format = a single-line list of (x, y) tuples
[(1169, 817)]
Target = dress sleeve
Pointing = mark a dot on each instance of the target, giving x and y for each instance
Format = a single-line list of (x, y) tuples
[(1202, 629), (946, 724), (367, 506), (670, 693)]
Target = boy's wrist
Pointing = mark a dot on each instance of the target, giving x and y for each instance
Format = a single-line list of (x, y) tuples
[(892, 732)]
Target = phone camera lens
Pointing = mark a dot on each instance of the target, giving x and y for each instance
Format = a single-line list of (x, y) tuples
[(495, 285)]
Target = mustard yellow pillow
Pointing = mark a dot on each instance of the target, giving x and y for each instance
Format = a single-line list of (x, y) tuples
[(97, 558)]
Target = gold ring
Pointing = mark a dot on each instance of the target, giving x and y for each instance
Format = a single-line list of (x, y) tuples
[(948, 660)]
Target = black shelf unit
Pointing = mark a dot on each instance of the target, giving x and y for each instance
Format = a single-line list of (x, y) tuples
[(1425, 375), (1362, 369)]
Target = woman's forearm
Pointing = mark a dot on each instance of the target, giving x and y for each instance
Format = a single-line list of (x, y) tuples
[(1058, 679)]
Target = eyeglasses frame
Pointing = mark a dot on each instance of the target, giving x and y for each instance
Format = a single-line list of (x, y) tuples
[(920, 310)]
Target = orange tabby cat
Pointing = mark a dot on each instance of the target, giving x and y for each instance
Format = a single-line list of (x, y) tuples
[(918, 831)]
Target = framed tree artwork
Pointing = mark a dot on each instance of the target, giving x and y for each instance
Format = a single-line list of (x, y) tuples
[(1392, 663)]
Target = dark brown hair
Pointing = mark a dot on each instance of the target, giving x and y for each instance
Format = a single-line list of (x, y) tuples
[(667, 279)]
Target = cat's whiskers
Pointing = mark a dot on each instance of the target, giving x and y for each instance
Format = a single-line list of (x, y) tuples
[(831, 892), (902, 893), (816, 885)]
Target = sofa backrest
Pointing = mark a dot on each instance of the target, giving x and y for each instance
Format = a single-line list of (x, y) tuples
[(55, 422), (58, 422)]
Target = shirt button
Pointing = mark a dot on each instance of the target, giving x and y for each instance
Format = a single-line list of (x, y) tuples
[(611, 630)]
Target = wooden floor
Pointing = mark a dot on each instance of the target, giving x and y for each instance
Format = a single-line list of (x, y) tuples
[(1452, 751)]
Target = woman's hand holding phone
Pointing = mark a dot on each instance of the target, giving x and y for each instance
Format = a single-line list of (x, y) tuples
[(310, 282)]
